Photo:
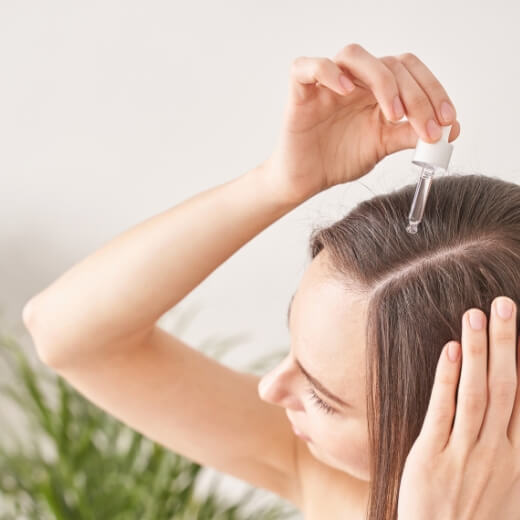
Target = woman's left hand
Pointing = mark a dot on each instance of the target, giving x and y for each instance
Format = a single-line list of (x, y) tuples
[(470, 471)]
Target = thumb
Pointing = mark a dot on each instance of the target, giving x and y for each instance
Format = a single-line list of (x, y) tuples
[(401, 136)]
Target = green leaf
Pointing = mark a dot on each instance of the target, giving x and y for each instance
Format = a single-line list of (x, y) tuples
[(80, 463)]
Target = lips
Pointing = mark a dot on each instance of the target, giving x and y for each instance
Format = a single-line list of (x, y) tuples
[(300, 434), (297, 431)]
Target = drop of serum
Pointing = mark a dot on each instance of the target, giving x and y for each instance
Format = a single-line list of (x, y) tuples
[(411, 228)]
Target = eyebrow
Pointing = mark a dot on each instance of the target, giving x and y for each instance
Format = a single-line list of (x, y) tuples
[(310, 378)]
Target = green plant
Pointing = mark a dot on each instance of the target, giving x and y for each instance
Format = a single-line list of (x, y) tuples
[(80, 463)]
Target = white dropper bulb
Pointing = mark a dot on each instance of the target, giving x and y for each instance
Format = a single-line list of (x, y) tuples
[(436, 154)]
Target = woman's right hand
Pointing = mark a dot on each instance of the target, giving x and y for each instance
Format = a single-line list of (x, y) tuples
[(332, 136)]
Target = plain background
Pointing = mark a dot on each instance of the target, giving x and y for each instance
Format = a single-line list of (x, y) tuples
[(113, 111)]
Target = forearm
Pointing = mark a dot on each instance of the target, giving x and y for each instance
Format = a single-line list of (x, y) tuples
[(121, 290)]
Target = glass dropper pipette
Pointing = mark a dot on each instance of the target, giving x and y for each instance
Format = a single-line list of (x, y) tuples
[(430, 157), (419, 199)]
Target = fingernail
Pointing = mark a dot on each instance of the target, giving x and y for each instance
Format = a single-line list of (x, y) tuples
[(434, 130), (346, 83), (504, 308), (476, 319), (447, 111), (398, 107), (453, 351)]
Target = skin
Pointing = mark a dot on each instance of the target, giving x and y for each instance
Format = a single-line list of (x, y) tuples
[(329, 136), (327, 330), (464, 462), (332, 135)]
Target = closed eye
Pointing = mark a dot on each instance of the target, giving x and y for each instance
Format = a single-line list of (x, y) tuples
[(320, 402)]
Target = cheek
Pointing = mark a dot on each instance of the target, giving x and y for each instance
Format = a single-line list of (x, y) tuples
[(349, 443), (346, 443)]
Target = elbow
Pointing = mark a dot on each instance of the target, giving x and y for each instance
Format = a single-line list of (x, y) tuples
[(32, 320), (28, 313)]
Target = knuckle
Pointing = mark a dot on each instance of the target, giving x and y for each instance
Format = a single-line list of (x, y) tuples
[(384, 82), (476, 348), (298, 62), (432, 86), (385, 89), (408, 58), (458, 460), (474, 400), (502, 336), (321, 66), (352, 49), (502, 390), (437, 90), (386, 79), (448, 378), (418, 103), (443, 412), (391, 62), (488, 448)]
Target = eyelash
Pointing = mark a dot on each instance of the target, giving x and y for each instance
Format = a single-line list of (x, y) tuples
[(319, 402)]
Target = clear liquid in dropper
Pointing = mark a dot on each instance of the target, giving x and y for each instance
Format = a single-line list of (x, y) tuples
[(419, 199)]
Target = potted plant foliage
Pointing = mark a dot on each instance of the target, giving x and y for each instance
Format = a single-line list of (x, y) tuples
[(79, 463)]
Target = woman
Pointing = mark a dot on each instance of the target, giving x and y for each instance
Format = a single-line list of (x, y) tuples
[(374, 299)]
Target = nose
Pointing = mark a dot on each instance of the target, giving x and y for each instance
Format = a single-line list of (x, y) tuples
[(279, 386)]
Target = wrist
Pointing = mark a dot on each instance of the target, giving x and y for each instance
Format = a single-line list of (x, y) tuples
[(285, 194)]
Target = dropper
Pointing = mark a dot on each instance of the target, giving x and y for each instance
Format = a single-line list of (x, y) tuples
[(431, 157)]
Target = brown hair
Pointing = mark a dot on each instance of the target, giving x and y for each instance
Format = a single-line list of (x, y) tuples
[(466, 252)]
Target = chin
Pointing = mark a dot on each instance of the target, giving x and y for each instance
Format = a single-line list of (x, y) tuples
[(337, 464)]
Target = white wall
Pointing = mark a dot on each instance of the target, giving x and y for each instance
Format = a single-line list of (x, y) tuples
[(112, 111)]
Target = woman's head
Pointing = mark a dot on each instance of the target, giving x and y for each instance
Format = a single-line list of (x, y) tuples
[(321, 383), (374, 310)]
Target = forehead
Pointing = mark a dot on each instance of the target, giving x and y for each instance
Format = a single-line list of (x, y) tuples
[(328, 330)]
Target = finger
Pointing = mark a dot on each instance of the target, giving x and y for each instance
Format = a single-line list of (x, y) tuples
[(432, 86), (418, 106), (402, 135), (502, 380), (435, 431), (514, 425), (374, 73), (472, 398), (307, 74)]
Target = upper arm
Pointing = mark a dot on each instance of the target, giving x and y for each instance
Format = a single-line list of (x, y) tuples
[(195, 406)]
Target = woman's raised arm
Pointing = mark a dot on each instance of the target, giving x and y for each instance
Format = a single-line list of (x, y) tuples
[(116, 294)]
